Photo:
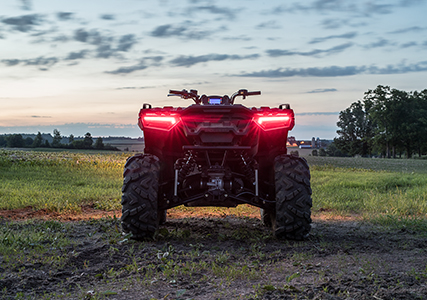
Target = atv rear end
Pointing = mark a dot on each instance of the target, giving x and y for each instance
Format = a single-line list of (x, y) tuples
[(216, 153)]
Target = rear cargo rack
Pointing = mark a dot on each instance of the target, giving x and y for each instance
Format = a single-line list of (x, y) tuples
[(188, 147)]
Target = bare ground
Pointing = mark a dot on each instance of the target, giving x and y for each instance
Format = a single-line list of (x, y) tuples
[(208, 256)]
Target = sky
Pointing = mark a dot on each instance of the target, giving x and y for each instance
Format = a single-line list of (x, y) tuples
[(88, 66)]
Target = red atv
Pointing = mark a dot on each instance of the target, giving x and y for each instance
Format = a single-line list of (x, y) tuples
[(216, 153)]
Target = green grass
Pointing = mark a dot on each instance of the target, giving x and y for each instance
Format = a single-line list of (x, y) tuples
[(60, 181), (65, 181), (376, 164), (364, 192)]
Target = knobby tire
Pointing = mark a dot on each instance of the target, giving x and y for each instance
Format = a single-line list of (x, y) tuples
[(139, 196), (293, 198)]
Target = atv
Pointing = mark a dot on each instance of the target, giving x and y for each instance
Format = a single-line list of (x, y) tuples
[(216, 153)]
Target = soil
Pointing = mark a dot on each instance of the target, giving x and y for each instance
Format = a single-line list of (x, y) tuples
[(209, 256)]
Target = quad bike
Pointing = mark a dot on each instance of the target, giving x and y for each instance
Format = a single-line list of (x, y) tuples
[(216, 153)]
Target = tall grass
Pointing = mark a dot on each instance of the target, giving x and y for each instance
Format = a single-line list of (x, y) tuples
[(65, 181), (60, 181), (369, 194), (376, 164)]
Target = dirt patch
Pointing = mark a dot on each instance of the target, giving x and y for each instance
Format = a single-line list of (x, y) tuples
[(209, 256), (87, 212)]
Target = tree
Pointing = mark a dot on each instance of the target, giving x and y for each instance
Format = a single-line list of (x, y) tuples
[(99, 143), (71, 139), (332, 150), (15, 141), (56, 138), (388, 120), (355, 131), (88, 141), (322, 152), (38, 140), (3, 141), (28, 142), (420, 120)]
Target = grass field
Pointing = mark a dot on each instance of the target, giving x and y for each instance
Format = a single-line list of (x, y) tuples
[(60, 181), (347, 256), (66, 181)]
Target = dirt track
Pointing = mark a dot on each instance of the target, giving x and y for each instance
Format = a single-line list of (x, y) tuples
[(227, 257)]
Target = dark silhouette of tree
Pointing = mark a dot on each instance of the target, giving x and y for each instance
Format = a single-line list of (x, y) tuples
[(388, 120), (15, 141), (38, 140), (99, 143), (88, 141), (356, 130), (29, 142), (3, 141), (56, 138)]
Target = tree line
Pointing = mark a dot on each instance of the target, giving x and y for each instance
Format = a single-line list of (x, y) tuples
[(17, 141), (387, 123)]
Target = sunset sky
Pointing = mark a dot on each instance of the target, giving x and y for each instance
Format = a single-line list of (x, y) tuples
[(82, 66)]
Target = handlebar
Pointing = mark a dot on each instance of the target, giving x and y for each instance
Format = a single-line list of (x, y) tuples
[(193, 95), (244, 94)]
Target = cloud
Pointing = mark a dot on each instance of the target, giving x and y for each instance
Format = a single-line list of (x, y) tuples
[(379, 43), (409, 44), (108, 17), (126, 42), (64, 16), (268, 25), (23, 23), (226, 12), (316, 6), (382, 9), (237, 38), (321, 91), (142, 65), (39, 61), (105, 44), (42, 117), (315, 52), (348, 35), (76, 55), (358, 8), (333, 23), (104, 51), (332, 71), (11, 62), (407, 3), (130, 69), (93, 37), (335, 71), (187, 31), (60, 38), (26, 4), (409, 29), (188, 61)]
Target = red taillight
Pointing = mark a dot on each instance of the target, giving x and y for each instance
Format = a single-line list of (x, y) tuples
[(274, 121), (160, 121)]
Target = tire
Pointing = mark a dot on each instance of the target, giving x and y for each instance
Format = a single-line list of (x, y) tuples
[(293, 198), (139, 198)]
